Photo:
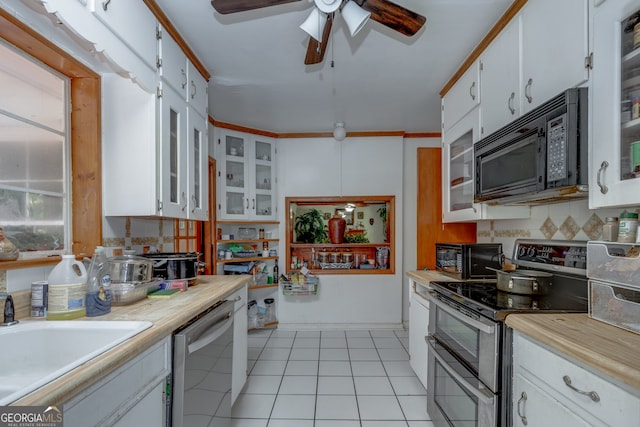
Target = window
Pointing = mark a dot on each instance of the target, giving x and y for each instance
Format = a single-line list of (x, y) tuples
[(34, 145), (84, 133)]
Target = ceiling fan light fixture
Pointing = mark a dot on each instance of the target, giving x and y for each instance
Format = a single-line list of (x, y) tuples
[(339, 132), (355, 17), (314, 24)]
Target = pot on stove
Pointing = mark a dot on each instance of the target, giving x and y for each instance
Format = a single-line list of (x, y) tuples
[(524, 282)]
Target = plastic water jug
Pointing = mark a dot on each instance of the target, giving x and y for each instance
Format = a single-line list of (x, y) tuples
[(67, 289)]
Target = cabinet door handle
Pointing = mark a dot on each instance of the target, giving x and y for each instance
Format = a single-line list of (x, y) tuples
[(105, 5), (472, 92), (603, 188), (247, 203), (253, 203), (527, 91), (592, 394), (193, 200), (184, 78), (523, 398), (194, 91), (184, 199), (510, 103)]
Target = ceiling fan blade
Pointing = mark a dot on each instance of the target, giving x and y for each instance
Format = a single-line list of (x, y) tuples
[(393, 16), (315, 49), (232, 6)]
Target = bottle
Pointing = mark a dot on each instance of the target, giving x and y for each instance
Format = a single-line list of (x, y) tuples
[(261, 233), (67, 289), (98, 299), (275, 273), (610, 229)]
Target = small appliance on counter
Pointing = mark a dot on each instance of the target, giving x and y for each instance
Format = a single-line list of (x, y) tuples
[(469, 261)]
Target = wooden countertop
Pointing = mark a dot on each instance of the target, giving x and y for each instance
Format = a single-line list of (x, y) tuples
[(167, 315), (598, 345), (426, 276)]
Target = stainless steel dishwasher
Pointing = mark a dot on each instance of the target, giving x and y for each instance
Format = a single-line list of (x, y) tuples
[(202, 366)]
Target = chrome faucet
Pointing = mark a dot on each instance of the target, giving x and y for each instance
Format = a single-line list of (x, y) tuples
[(8, 316)]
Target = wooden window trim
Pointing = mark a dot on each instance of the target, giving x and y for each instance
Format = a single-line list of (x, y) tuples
[(86, 130)]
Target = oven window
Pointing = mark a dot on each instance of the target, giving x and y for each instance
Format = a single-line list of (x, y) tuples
[(458, 406), (458, 337), (514, 166)]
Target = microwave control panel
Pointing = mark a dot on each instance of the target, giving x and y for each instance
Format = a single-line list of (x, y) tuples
[(557, 148)]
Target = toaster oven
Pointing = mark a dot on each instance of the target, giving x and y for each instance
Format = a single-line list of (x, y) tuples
[(469, 261)]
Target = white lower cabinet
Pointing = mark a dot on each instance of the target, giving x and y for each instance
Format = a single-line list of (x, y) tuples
[(550, 389), (133, 395), (418, 330), (240, 343)]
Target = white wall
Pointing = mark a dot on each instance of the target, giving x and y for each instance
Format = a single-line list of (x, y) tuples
[(355, 166)]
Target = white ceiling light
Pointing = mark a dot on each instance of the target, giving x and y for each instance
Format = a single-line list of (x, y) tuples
[(339, 132), (328, 6), (314, 24), (355, 17)]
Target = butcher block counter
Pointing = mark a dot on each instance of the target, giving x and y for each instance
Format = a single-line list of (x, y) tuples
[(600, 346), (167, 315), (426, 276)]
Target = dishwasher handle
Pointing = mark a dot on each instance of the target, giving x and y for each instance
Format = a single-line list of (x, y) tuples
[(213, 333)]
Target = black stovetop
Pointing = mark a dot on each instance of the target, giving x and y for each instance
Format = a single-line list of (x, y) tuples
[(566, 296)]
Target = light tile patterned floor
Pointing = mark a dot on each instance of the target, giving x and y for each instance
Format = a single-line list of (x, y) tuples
[(330, 379)]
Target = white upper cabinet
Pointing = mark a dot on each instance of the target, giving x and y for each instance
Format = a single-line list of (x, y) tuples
[(172, 63), (131, 22), (246, 176), (614, 125), (500, 73), (197, 93), (463, 97), (555, 46)]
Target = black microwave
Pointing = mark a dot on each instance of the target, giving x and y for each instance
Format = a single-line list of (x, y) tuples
[(542, 156), (469, 261)]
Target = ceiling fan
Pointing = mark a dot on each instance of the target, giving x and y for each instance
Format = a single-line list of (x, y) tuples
[(355, 12)]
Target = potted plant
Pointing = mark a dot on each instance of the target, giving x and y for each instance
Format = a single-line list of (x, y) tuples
[(309, 227)]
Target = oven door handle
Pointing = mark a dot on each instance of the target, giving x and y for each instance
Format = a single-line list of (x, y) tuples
[(484, 396), (487, 329)]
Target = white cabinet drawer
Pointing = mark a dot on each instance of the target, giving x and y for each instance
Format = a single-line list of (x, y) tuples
[(614, 406)]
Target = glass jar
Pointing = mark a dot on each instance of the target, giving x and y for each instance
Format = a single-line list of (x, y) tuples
[(252, 314), (628, 227), (610, 229)]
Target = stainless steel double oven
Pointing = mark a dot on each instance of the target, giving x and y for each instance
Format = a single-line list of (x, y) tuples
[(469, 352)]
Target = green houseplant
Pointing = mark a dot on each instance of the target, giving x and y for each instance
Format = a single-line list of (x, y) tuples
[(309, 227)]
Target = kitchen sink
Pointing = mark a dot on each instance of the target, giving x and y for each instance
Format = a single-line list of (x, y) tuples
[(35, 353)]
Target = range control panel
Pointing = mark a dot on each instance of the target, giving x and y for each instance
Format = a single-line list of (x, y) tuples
[(570, 256)]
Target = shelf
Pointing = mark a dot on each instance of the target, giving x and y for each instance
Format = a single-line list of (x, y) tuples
[(632, 58), (461, 154), (265, 326), (253, 222), (247, 240), (319, 272), (270, 285), (257, 258), (631, 124), (469, 181), (337, 245)]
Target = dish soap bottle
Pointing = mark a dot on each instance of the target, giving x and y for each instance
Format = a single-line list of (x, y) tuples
[(67, 289), (98, 284)]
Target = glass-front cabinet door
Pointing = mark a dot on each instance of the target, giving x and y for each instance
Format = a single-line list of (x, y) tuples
[(264, 172), (458, 169), (246, 177), (198, 160), (615, 105), (173, 156)]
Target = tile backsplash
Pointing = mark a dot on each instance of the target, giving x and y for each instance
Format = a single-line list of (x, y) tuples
[(560, 221)]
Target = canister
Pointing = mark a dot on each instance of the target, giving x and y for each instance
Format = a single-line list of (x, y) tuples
[(610, 229), (628, 227)]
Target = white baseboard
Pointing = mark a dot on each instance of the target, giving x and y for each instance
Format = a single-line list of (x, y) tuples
[(338, 326)]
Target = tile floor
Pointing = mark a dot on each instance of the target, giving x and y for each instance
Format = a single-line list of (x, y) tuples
[(330, 379)]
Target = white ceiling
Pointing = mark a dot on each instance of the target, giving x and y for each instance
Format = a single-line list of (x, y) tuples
[(381, 80)]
